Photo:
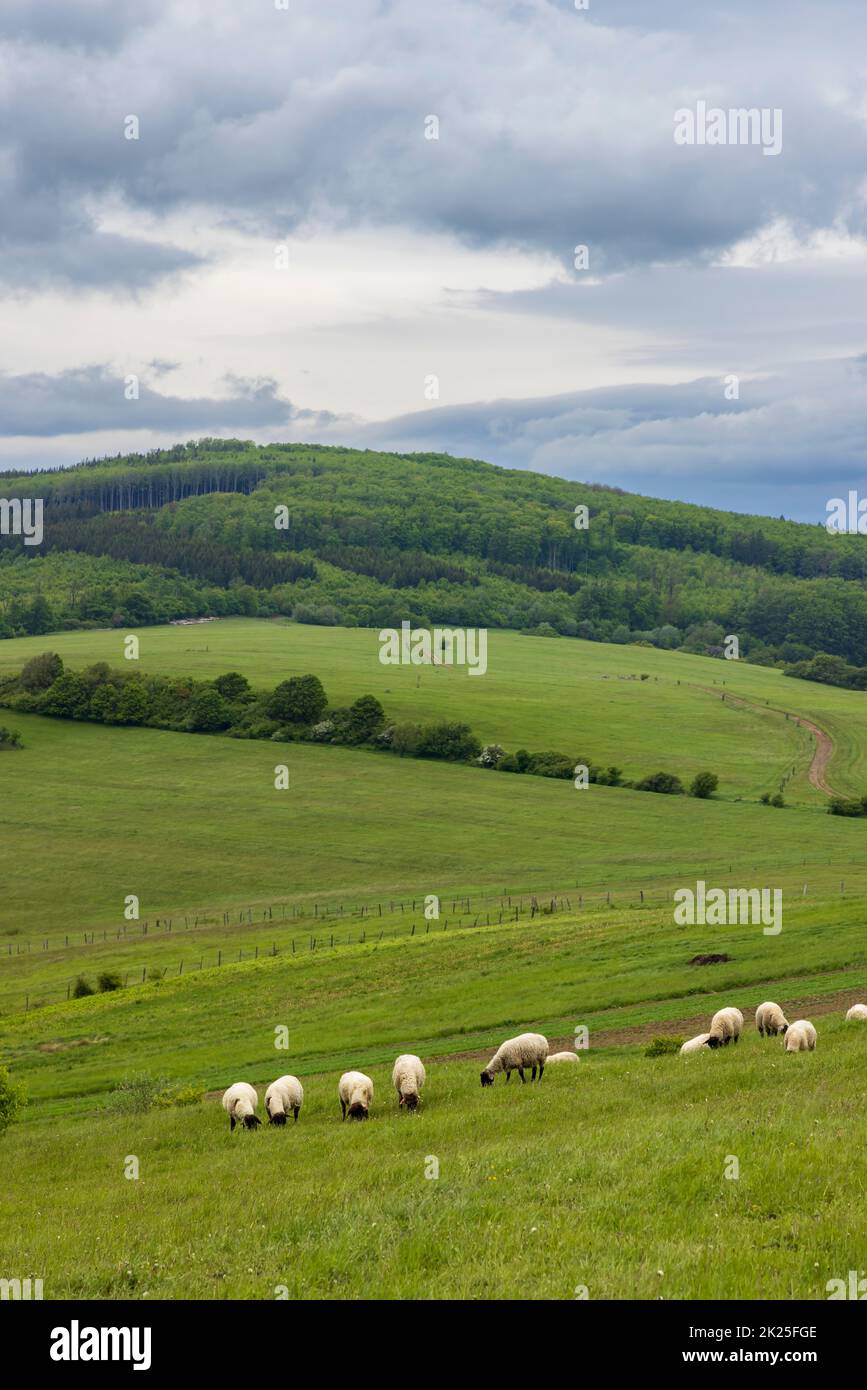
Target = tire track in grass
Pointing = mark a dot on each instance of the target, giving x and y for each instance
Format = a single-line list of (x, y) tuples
[(824, 752)]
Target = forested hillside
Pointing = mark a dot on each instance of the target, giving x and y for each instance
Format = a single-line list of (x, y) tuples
[(371, 539)]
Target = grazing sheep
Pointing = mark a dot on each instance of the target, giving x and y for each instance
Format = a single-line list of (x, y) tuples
[(725, 1025), (239, 1103), (801, 1036), (695, 1044), (527, 1050), (355, 1091), (283, 1095), (408, 1077), (770, 1020), (562, 1057), (857, 1011)]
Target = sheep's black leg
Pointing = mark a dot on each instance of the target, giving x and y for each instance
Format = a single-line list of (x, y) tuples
[(231, 1123), (295, 1110), (343, 1108), (541, 1069), (521, 1074), (533, 1075), (508, 1074)]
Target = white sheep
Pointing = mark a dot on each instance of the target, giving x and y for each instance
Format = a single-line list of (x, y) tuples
[(801, 1036), (770, 1020), (355, 1091), (408, 1077), (527, 1050), (725, 1026), (695, 1044), (857, 1011), (283, 1095), (239, 1103), (562, 1057)]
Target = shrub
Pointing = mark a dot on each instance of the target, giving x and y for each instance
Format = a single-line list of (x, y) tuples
[(109, 980), (366, 717), (550, 765), (663, 782), (452, 742), (300, 700), (405, 739), (703, 785), (179, 1095), (778, 800), (232, 686), (9, 738), (663, 1046), (208, 712), (81, 989), (41, 671), (841, 807), (491, 755), (12, 1098), (136, 1094)]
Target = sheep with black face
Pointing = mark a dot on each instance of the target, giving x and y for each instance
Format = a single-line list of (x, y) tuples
[(240, 1103), (529, 1051)]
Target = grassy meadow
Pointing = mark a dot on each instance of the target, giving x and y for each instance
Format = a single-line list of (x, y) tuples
[(586, 698), (603, 1176)]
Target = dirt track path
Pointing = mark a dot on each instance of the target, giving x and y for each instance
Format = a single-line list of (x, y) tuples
[(824, 743)]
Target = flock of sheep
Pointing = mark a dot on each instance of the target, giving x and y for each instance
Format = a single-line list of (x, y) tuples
[(529, 1052), (727, 1025)]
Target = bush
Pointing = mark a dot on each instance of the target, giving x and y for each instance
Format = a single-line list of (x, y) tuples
[(841, 807), (136, 1094), (109, 980), (300, 700), (12, 1098), (366, 717), (9, 738), (491, 755), (452, 742), (41, 671), (232, 686), (663, 782), (208, 712), (663, 1046), (703, 785), (179, 1095), (778, 800), (81, 989), (404, 739)]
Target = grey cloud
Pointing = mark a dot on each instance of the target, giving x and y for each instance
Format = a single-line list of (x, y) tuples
[(91, 399), (556, 127)]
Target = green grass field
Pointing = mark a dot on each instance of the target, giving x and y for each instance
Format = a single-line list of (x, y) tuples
[(579, 697), (602, 1176)]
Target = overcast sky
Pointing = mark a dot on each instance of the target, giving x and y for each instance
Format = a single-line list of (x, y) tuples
[(282, 253)]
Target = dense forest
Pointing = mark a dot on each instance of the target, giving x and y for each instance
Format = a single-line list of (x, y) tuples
[(353, 537)]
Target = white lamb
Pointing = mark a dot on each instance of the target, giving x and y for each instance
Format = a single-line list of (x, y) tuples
[(695, 1044), (725, 1026), (857, 1011), (562, 1057), (283, 1095), (239, 1103), (801, 1036), (527, 1050), (408, 1077), (770, 1020), (355, 1091)]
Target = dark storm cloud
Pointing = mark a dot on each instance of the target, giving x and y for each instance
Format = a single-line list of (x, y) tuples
[(555, 126)]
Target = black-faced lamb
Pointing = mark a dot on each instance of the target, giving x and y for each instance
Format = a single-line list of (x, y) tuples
[(801, 1036), (355, 1092), (240, 1103), (725, 1027), (408, 1077), (283, 1095), (770, 1020), (527, 1051)]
